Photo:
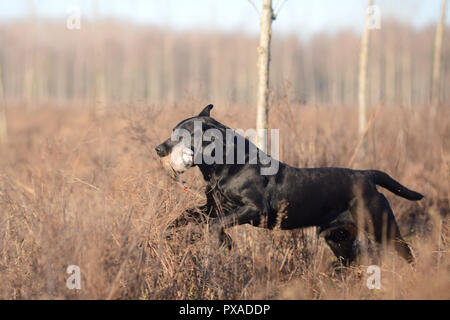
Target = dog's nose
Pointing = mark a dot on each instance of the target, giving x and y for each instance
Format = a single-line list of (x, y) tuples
[(158, 150)]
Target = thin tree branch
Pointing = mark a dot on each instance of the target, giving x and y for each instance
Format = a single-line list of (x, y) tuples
[(277, 11), (254, 6)]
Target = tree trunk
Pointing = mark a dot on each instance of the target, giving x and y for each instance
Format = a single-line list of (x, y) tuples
[(389, 80), (406, 71), (169, 92), (99, 94), (263, 75), (3, 122), (437, 59), (214, 68), (362, 81)]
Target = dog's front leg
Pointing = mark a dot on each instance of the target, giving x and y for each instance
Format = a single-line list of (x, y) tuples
[(225, 240), (243, 215), (217, 225), (193, 215)]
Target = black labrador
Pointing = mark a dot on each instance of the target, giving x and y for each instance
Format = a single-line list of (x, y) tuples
[(338, 201)]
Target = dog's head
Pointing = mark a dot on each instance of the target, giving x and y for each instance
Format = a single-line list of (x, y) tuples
[(178, 152), (203, 141)]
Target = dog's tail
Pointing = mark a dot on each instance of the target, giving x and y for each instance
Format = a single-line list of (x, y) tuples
[(384, 180)]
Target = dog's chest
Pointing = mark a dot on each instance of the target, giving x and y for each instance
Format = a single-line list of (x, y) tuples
[(225, 202)]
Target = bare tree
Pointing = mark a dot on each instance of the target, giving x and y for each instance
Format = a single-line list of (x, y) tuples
[(263, 74), (99, 94), (437, 59), (3, 123), (113, 61), (362, 81)]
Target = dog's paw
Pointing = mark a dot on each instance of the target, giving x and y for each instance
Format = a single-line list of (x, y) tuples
[(225, 241)]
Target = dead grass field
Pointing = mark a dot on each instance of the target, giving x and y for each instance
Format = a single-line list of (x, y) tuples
[(89, 191)]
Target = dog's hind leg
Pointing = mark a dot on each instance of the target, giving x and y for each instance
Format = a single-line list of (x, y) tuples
[(384, 227), (342, 240), (225, 240)]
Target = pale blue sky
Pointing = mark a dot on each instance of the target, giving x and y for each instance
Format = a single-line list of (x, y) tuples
[(301, 16)]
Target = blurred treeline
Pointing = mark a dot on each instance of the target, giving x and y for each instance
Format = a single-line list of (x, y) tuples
[(43, 62)]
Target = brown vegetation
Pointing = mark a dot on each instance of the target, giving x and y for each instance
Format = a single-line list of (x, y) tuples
[(79, 189), (82, 187)]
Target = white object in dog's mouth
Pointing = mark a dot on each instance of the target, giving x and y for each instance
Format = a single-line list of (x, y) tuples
[(181, 158)]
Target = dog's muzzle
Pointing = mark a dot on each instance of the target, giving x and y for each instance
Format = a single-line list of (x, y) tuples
[(178, 160)]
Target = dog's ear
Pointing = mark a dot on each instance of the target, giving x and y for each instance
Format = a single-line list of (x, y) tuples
[(205, 112)]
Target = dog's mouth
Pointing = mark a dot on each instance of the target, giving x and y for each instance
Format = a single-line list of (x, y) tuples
[(178, 161)]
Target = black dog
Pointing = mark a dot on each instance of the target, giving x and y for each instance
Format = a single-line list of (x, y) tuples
[(336, 200)]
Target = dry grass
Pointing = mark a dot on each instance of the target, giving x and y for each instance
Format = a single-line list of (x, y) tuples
[(75, 189)]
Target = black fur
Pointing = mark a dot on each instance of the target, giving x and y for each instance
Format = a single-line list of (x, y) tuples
[(331, 199)]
